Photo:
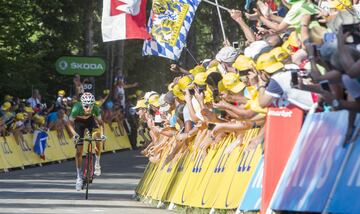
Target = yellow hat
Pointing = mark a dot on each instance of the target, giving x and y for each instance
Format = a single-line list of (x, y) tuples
[(268, 63), (197, 69), (20, 116), (279, 53), (293, 39), (211, 70), (340, 4), (154, 100), (178, 93), (28, 110), (39, 119), (200, 78), (106, 91), (286, 46), (61, 93), (141, 104), (170, 86), (6, 106), (139, 92), (98, 103), (243, 63), (184, 82), (8, 97), (232, 82)]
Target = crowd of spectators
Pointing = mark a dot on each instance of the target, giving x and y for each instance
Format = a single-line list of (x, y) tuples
[(22, 116), (298, 52)]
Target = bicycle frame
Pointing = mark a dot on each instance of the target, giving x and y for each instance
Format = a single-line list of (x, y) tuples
[(88, 172)]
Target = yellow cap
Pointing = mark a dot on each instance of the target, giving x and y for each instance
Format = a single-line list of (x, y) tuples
[(39, 119), (139, 92), (98, 103), (154, 100), (28, 110), (8, 97), (243, 63), (141, 104), (106, 91), (184, 82), (268, 63), (61, 93), (293, 39), (178, 93), (279, 53), (232, 82), (197, 69), (211, 70), (340, 4), (286, 46), (200, 78), (20, 116), (6, 106)]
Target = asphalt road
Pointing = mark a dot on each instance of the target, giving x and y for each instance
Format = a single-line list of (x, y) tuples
[(51, 188)]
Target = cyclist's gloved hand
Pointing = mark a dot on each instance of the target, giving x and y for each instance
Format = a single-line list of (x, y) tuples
[(76, 138), (103, 137)]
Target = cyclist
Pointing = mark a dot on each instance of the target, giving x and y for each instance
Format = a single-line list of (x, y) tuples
[(86, 115)]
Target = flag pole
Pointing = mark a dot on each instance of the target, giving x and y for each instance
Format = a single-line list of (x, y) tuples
[(192, 56), (220, 18), (221, 7)]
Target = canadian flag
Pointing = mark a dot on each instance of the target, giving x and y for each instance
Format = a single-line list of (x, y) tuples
[(124, 19)]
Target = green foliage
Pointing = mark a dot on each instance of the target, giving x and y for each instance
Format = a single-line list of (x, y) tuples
[(34, 33)]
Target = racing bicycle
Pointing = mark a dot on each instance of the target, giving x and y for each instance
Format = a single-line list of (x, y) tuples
[(88, 174)]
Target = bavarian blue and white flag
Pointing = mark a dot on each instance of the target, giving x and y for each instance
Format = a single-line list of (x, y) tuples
[(169, 24), (40, 140)]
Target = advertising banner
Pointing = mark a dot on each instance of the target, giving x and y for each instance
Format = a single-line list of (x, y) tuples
[(313, 165), (85, 66), (281, 131), (347, 193), (252, 198)]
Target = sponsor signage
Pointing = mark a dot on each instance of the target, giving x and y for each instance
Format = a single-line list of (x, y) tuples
[(252, 198), (85, 66), (314, 163), (347, 194), (282, 128)]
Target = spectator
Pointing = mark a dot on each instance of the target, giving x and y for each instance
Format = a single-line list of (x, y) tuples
[(35, 100), (78, 86)]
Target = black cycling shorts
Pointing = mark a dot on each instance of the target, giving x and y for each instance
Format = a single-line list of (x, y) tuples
[(81, 124)]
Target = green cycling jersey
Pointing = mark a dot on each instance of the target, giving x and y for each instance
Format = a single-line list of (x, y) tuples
[(78, 111)]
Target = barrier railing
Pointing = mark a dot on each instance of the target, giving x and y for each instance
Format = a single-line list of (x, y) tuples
[(316, 172), (59, 147)]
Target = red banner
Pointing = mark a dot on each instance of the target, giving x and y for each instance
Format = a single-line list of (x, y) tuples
[(281, 131)]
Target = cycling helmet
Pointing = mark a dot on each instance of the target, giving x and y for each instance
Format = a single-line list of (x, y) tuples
[(87, 99)]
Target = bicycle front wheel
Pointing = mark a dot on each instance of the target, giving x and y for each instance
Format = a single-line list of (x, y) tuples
[(89, 170)]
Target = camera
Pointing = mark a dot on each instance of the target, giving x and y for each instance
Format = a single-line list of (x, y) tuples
[(191, 91), (211, 126), (235, 44), (294, 78), (354, 30), (244, 73), (325, 85)]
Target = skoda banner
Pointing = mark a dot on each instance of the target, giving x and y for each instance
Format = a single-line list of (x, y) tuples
[(85, 66)]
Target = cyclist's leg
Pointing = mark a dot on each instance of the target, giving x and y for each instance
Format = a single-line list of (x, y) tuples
[(79, 129), (94, 129)]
